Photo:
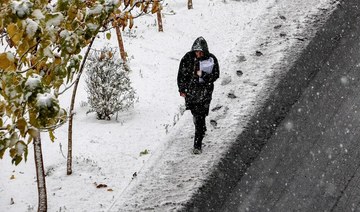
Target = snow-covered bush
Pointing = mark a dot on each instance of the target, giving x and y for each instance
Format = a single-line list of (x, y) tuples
[(108, 84)]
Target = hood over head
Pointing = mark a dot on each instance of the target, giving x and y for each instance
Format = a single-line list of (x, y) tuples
[(200, 45)]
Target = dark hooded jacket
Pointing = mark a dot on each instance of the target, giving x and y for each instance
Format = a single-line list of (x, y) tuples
[(198, 92)]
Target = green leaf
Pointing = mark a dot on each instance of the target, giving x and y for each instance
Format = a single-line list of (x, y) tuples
[(12, 153), (108, 35), (2, 153), (17, 159), (52, 136), (26, 153), (145, 152)]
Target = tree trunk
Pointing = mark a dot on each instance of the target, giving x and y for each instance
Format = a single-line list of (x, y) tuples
[(160, 25), (190, 4), (69, 156), (121, 43), (40, 175)]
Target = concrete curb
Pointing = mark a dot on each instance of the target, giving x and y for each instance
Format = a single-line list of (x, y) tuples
[(261, 127)]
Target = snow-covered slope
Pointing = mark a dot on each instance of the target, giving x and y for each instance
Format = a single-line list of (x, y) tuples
[(275, 36)]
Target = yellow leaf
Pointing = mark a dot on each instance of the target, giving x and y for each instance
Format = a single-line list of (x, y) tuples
[(14, 33), (2, 108), (48, 79), (18, 112), (9, 110), (110, 54), (7, 62), (112, 15), (117, 11), (72, 12), (33, 119), (22, 126), (142, 7), (17, 38), (155, 7), (23, 47), (127, 15), (33, 60), (12, 177), (57, 60), (131, 22), (33, 132), (15, 80), (41, 65), (110, 189)]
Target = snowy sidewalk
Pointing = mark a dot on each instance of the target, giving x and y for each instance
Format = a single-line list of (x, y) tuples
[(273, 39)]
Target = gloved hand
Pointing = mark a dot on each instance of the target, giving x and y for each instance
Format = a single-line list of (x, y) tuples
[(182, 94)]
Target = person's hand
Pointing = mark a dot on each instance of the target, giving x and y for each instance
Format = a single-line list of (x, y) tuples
[(199, 73), (182, 94)]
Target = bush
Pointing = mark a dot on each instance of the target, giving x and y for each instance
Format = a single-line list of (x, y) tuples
[(108, 84)]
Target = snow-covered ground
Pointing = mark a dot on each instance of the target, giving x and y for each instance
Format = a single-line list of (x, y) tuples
[(108, 152)]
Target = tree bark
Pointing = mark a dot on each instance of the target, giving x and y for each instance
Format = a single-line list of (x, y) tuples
[(190, 4), (160, 25), (70, 131), (69, 155), (40, 175), (121, 43)]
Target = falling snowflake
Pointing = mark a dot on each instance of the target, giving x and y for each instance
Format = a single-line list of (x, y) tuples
[(344, 80), (289, 125)]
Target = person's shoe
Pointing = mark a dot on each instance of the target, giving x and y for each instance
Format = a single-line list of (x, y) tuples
[(197, 151)]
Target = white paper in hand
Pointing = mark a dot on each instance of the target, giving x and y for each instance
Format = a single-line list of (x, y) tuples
[(206, 66)]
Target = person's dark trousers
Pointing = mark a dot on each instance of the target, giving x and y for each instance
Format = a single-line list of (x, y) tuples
[(200, 128)]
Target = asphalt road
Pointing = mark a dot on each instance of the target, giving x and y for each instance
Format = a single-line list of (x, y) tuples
[(312, 161)]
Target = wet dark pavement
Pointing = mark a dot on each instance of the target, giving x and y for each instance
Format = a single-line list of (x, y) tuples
[(311, 162)]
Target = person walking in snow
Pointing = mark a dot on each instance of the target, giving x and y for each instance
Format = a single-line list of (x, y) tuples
[(197, 73)]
